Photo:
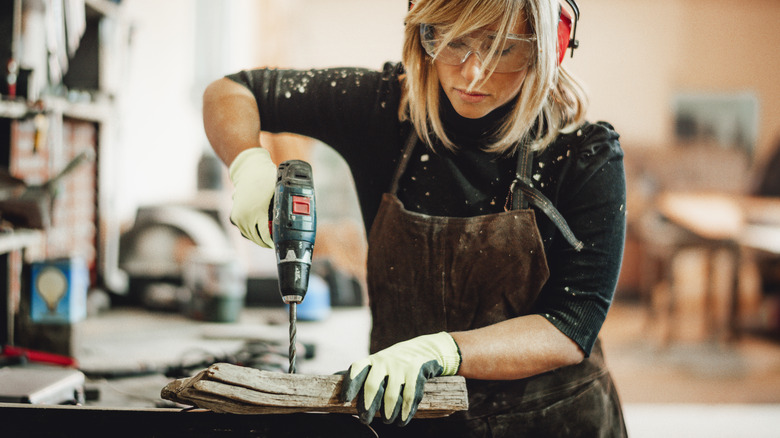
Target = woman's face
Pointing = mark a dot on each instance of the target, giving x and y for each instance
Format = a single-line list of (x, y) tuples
[(498, 90)]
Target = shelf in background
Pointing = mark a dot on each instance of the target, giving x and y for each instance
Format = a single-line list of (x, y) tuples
[(13, 109), (89, 111), (19, 239)]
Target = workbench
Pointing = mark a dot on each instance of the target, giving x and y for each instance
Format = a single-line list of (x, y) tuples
[(126, 340), (750, 221), (20, 420), (715, 222)]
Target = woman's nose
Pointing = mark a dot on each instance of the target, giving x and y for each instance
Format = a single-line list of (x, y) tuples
[(471, 67)]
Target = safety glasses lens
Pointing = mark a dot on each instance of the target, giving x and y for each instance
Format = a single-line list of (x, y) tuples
[(516, 54)]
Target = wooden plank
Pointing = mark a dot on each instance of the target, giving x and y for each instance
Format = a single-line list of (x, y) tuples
[(233, 389), (274, 383)]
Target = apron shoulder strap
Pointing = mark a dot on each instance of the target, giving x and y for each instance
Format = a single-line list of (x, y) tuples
[(521, 192), (522, 172), (411, 141)]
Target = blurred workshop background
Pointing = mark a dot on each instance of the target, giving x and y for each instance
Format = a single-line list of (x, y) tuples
[(117, 253)]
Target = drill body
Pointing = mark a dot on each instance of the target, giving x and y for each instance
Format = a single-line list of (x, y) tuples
[(294, 225)]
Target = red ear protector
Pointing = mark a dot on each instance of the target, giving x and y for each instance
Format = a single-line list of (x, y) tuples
[(567, 29)]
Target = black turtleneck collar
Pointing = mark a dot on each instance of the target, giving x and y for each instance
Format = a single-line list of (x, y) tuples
[(465, 132)]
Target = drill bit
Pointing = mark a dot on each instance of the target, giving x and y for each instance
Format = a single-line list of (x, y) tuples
[(293, 335)]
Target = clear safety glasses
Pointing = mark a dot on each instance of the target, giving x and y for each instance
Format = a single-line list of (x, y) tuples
[(517, 53)]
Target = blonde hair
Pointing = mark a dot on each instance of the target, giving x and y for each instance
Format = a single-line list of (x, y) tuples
[(549, 98)]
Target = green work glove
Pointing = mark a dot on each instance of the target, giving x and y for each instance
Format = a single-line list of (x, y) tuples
[(393, 378), (254, 180)]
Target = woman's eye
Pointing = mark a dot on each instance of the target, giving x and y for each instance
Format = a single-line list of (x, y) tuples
[(456, 44)]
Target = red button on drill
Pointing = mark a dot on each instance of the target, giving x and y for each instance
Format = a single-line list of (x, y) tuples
[(301, 205)]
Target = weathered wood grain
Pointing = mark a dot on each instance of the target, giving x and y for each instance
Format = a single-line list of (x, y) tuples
[(233, 389)]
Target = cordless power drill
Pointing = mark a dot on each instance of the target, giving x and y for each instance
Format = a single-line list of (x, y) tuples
[(293, 226)]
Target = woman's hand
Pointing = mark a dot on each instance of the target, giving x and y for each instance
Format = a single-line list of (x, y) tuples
[(394, 378), (254, 180)]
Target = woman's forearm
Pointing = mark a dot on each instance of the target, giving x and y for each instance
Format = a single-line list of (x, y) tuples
[(514, 349), (230, 118)]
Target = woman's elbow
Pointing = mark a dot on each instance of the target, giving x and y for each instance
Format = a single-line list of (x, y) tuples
[(569, 352)]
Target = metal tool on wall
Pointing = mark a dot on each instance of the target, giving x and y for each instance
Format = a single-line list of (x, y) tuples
[(30, 206)]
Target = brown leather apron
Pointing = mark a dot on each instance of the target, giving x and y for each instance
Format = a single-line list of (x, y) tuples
[(431, 273)]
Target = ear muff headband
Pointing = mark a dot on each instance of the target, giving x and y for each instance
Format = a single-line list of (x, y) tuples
[(567, 29)]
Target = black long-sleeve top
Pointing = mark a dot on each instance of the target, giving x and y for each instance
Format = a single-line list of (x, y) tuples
[(355, 111)]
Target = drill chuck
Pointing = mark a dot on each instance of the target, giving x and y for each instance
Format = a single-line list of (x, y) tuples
[(293, 264)]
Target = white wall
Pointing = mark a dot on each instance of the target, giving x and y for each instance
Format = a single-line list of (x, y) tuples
[(159, 133), (344, 32), (627, 54)]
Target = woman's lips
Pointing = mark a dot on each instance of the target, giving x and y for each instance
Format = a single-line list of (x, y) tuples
[(471, 97)]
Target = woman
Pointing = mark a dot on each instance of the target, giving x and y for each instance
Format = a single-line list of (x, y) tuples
[(495, 214)]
